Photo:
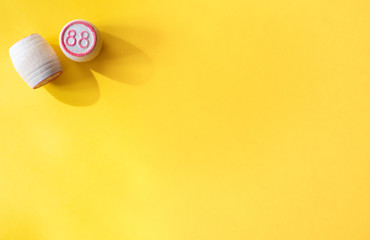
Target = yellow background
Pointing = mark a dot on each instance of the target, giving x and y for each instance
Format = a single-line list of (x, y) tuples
[(201, 119)]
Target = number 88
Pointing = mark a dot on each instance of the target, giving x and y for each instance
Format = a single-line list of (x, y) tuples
[(84, 36)]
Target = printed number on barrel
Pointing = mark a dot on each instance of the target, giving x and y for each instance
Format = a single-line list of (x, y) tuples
[(80, 41), (84, 37)]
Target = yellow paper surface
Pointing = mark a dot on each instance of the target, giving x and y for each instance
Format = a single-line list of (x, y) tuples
[(200, 120)]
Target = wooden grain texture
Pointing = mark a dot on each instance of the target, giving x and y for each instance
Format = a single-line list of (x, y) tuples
[(35, 60)]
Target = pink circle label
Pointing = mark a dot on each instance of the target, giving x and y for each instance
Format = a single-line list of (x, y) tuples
[(78, 38)]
